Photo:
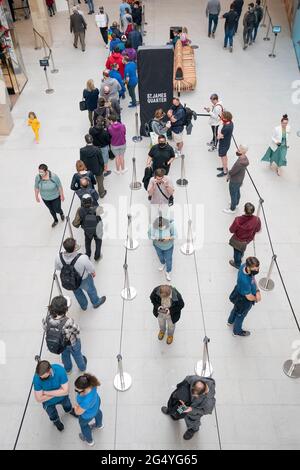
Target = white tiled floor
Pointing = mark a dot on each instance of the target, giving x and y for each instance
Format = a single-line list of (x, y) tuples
[(257, 405)]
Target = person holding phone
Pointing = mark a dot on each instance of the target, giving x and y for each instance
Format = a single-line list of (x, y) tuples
[(167, 305), (160, 188)]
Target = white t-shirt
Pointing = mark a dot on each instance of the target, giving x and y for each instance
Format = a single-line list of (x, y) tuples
[(101, 20)]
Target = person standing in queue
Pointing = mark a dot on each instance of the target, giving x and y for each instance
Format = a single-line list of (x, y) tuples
[(224, 138)]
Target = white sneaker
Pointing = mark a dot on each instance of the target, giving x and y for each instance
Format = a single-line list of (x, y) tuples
[(229, 211), (106, 46), (93, 426), (124, 171), (168, 276), (162, 267), (117, 172)]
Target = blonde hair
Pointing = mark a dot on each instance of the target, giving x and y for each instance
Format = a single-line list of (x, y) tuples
[(31, 113), (80, 166), (90, 85), (159, 113)]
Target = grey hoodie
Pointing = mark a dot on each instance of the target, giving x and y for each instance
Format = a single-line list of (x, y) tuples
[(202, 405), (114, 87), (213, 7)]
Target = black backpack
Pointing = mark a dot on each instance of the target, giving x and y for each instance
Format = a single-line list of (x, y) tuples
[(148, 128), (55, 338), (89, 221), (70, 278), (189, 115)]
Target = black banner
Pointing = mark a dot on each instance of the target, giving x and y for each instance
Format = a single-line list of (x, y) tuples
[(155, 68)]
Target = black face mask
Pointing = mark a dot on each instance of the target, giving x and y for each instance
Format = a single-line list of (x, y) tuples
[(254, 272), (162, 145), (238, 154)]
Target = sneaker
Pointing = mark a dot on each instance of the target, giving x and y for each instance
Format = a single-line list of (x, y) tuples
[(229, 324), (102, 300), (117, 172), (107, 173), (106, 46), (124, 171), (168, 276), (210, 143), (232, 263), (250, 44), (245, 47), (96, 258), (161, 335), (72, 413), (208, 35), (231, 49), (213, 35), (75, 46), (243, 333), (82, 438), (188, 434), (170, 339), (54, 223), (225, 47), (103, 194), (62, 216), (93, 426), (83, 308), (220, 175), (213, 148), (164, 410), (59, 425), (162, 267), (229, 211), (132, 106)]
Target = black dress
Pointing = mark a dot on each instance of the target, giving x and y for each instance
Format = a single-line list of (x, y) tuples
[(224, 144)]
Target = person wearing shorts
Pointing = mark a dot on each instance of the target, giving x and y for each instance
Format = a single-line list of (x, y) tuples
[(177, 119), (117, 131)]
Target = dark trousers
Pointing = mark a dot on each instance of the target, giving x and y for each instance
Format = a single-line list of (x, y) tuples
[(88, 243), (235, 194), (212, 19), (237, 22), (131, 91), (255, 30), (229, 33), (238, 315), (238, 256), (52, 411), (100, 179), (54, 207), (215, 135), (247, 36), (51, 10), (104, 34)]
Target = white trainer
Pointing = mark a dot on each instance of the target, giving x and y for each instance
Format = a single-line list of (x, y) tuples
[(168, 276), (162, 267)]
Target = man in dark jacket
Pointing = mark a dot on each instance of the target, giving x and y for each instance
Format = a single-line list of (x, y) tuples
[(192, 399), (137, 12), (135, 38), (231, 21), (78, 27), (176, 115), (92, 158), (249, 25), (244, 229), (236, 177), (259, 14), (238, 7), (167, 305), (86, 189)]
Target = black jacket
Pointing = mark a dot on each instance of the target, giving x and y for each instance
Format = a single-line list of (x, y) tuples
[(92, 158), (177, 303), (101, 138), (238, 6), (77, 23), (137, 15), (75, 183)]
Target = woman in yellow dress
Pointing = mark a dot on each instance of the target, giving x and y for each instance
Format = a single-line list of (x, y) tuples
[(35, 125)]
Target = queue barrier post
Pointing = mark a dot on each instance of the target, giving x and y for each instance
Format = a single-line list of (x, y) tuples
[(182, 181), (69, 227), (291, 367), (266, 283), (130, 243), (129, 292), (267, 36), (272, 55), (260, 203), (263, 25), (123, 380), (203, 367), (58, 285), (48, 90), (188, 247), (134, 185), (54, 69), (137, 137)]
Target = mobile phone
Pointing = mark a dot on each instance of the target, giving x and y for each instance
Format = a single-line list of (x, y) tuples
[(181, 409)]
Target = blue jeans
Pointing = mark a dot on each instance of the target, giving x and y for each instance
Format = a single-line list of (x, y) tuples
[(165, 257), (229, 33), (85, 427), (52, 411), (131, 91), (238, 256), (75, 351), (255, 30), (89, 286), (237, 317), (235, 194), (212, 19), (91, 6)]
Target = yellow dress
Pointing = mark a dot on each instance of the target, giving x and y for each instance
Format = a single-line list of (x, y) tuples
[(35, 126)]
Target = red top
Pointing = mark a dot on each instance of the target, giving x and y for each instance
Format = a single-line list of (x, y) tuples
[(245, 227), (116, 58)]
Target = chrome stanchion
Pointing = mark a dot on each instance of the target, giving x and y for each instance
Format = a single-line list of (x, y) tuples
[(134, 184), (204, 368), (267, 38), (260, 203), (58, 284), (137, 137), (266, 283), (129, 292), (182, 180), (188, 247), (45, 51), (123, 380), (49, 90), (291, 367), (273, 55), (54, 69), (130, 243), (36, 47), (69, 227), (263, 25)]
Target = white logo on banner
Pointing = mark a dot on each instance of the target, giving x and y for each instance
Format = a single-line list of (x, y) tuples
[(157, 98)]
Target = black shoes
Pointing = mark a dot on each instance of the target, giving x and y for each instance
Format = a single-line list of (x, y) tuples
[(188, 434), (220, 175), (164, 410), (103, 194), (62, 216), (243, 334), (59, 425), (72, 413), (102, 300), (54, 223)]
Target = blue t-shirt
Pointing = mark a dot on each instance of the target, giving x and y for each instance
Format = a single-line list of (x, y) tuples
[(90, 403), (245, 284), (123, 7), (57, 378), (130, 72)]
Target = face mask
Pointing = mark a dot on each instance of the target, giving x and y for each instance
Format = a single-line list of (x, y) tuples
[(162, 144), (239, 154), (254, 272)]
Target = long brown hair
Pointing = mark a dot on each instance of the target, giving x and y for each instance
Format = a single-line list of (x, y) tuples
[(85, 381)]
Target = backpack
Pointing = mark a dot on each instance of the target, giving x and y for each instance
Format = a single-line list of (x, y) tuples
[(55, 338), (189, 115), (89, 221), (70, 278), (148, 128)]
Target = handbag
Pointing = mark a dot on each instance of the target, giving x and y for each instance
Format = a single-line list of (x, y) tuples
[(170, 198), (237, 245), (82, 105), (111, 154)]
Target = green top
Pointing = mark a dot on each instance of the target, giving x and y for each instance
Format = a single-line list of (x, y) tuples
[(49, 189)]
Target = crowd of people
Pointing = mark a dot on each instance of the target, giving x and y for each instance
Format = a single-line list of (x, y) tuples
[(195, 396)]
